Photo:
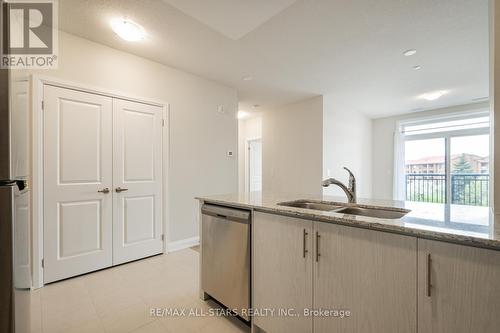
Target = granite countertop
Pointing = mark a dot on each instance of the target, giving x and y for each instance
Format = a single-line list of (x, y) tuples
[(468, 225)]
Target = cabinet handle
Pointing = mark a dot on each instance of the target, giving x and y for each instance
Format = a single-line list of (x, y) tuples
[(304, 236), (429, 285), (317, 246), (119, 189), (104, 190)]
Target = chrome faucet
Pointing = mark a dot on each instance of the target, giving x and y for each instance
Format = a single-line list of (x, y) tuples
[(349, 191)]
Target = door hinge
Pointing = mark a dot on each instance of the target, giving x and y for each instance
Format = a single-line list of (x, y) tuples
[(162, 237), (163, 122), (43, 263), (42, 105)]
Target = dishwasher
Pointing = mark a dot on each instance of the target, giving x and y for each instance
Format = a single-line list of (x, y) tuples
[(225, 257)]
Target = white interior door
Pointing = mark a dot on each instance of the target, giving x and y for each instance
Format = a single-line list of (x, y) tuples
[(77, 166), (137, 181), (255, 165)]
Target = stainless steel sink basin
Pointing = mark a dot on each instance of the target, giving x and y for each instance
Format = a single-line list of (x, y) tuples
[(359, 210), (310, 205), (374, 212)]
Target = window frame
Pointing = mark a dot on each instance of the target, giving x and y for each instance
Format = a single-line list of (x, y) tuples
[(447, 136)]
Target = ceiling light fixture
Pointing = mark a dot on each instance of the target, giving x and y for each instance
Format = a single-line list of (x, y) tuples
[(128, 30), (243, 114), (409, 53), (432, 96)]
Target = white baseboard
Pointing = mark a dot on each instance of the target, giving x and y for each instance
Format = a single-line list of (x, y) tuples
[(183, 244)]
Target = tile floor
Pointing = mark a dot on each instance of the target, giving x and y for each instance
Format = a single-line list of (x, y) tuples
[(119, 299)]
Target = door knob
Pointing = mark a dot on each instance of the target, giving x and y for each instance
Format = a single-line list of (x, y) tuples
[(119, 189), (104, 190)]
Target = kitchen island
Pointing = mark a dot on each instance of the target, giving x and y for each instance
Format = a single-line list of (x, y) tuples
[(436, 269)]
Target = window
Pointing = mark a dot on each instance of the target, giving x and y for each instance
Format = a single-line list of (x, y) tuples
[(446, 160), (425, 174)]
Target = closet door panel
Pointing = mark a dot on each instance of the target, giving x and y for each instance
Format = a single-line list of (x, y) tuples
[(77, 171), (137, 181)]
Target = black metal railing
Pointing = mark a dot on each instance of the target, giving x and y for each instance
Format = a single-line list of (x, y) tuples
[(466, 189), (425, 187)]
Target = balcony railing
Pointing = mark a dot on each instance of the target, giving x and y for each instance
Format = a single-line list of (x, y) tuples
[(466, 189)]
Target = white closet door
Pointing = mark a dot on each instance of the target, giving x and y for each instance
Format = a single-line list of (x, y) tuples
[(255, 164), (137, 171), (77, 165)]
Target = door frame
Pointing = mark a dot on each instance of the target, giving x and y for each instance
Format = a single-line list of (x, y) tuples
[(247, 161), (37, 155)]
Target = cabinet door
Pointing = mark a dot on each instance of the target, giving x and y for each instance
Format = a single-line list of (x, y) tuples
[(137, 181), (372, 274), (282, 272), (464, 294), (77, 171)]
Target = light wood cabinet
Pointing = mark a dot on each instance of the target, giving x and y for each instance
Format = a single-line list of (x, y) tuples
[(387, 282), (464, 293), (282, 272), (370, 273)]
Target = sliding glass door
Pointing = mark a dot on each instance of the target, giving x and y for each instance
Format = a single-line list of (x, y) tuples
[(447, 161), (446, 167), (469, 170), (425, 162)]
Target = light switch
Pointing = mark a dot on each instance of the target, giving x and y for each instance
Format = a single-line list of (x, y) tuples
[(230, 153)]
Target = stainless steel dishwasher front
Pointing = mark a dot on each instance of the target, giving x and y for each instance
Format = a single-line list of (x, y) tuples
[(225, 257)]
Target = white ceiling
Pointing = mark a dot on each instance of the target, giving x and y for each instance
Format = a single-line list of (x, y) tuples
[(232, 18), (351, 49)]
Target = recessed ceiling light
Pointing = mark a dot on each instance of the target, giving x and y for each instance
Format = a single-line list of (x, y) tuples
[(409, 53), (432, 96), (417, 67), (243, 114), (128, 30), (247, 78)]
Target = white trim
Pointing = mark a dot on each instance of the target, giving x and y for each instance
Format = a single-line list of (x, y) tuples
[(183, 244), (447, 171), (37, 181), (166, 173), (37, 83), (95, 90), (448, 134), (422, 120)]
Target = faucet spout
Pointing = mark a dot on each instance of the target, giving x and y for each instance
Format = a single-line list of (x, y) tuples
[(350, 190)]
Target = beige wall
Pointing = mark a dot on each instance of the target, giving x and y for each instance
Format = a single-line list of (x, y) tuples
[(292, 148), (383, 146), (199, 135), (248, 129), (347, 137)]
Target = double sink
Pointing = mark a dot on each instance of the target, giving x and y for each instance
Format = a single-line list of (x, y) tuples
[(351, 209)]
